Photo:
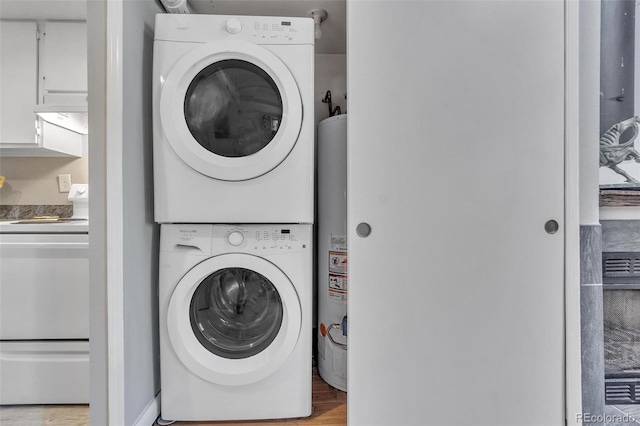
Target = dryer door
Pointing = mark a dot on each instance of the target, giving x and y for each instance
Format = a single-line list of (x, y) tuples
[(234, 319), (231, 110)]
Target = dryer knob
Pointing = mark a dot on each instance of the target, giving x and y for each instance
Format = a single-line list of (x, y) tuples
[(234, 26), (236, 238)]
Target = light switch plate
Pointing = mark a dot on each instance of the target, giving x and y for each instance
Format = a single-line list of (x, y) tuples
[(64, 183)]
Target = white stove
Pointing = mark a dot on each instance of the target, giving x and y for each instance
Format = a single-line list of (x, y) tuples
[(44, 309), (45, 226)]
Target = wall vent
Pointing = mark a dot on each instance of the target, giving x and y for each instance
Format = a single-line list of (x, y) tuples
[(621, 267), (622, 391)]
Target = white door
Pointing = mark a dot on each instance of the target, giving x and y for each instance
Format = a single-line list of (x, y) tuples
[(231, 110), (234, 319), (456, 142)]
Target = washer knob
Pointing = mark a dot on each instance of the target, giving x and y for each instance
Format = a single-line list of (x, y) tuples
[(234, 26), (236, 238)]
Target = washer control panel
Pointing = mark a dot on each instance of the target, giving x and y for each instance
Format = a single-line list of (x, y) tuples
[(233, 26), (261, 239), (236, 238), (211, 240)]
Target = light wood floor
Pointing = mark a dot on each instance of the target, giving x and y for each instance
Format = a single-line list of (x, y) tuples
[(40, 415), (329, 409)]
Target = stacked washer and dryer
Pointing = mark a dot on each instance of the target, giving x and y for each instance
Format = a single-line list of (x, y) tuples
[(234, 194)]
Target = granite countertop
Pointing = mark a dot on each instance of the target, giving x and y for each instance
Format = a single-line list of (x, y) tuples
[(35, 219), (23, 212)]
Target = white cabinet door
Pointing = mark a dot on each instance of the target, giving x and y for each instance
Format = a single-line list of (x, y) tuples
[(456, 152), (64, 61), (18, 82)]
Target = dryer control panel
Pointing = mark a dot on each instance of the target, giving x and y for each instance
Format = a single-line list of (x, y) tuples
[(261, 30)]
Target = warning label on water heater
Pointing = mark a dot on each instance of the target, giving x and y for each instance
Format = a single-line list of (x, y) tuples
[(338, 262), (338, 242), (337, 287), (338, 275)]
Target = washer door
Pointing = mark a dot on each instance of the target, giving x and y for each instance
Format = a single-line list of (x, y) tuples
[(234, 319), (231, 110)]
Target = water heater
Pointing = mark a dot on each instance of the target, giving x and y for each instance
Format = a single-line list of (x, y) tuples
[(332, 251)]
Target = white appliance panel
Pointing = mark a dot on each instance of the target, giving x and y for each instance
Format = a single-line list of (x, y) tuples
[(44, 286), (211, 386), (212, 185), (44, 372), (456, 297)]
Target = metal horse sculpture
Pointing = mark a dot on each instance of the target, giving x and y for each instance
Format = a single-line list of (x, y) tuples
[(612, 152)]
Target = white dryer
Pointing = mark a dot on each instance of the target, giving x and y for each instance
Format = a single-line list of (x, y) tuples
[(233, 119), (235, 321)]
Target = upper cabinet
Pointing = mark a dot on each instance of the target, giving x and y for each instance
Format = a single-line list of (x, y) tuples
[(18, 82), (63, 69), (43, 64)]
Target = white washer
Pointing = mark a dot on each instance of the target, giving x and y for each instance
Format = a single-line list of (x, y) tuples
[(235, 321), (233, 119)]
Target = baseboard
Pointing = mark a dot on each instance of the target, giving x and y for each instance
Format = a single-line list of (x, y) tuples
[(150, 414)]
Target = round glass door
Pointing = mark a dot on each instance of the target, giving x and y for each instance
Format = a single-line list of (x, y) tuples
[(230, 110), (234, 319), (233, 108), (236, 313)]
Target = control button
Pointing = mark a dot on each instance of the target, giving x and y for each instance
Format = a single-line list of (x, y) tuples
[(236, 238), (234, 26)]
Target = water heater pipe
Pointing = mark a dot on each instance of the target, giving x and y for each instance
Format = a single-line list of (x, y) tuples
[(176, 6), (318, 15)]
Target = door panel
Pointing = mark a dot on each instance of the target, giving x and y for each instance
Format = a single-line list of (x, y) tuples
[(456, 142)]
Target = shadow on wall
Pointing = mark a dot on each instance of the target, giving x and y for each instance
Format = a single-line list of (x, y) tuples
[(8, 195)]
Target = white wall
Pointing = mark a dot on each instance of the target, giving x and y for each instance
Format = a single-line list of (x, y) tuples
[(97, 59), (636, 87), (589, 111), (123, 238), (330, 74), (141, 234), (34, 180)]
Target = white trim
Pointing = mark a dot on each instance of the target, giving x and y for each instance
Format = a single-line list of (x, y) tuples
[(114, 209), (150, 414), (573, 367), (620, 213), (636, 54)]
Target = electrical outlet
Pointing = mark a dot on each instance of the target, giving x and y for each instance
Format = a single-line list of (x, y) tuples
[(64, 183)]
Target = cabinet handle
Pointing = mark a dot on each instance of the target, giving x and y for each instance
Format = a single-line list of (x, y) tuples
[(363, 229), (551, 227)]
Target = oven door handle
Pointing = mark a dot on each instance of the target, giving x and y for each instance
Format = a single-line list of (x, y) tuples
[(44, 245)]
